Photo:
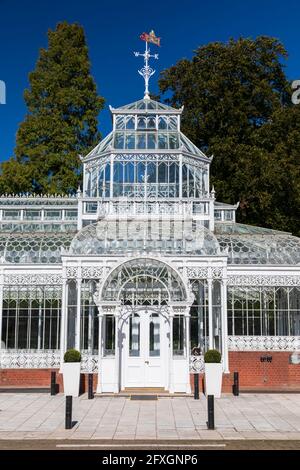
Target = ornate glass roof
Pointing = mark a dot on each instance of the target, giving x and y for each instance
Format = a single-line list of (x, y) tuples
[(246, 244), (137, 140), (34, 247), (145, 105), (114, 236)]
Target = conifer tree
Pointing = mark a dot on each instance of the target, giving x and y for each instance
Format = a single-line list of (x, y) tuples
[(61, 122)]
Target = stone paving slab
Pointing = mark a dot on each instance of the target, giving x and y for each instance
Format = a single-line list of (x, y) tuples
[(247, 417)]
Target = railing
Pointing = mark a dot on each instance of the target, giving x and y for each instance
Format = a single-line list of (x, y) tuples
[(36, 359), (263, 343)]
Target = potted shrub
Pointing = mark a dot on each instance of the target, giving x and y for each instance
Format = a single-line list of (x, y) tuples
[(213, 373), (71, 372)]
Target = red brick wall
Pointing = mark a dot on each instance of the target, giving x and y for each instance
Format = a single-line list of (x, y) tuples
[(27, 378), (278, 375), (254, 374)]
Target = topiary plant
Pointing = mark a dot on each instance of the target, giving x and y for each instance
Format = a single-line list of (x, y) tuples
[(212, 356), (72, 355)]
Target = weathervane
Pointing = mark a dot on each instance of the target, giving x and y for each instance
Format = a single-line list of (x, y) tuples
[(147, 71)]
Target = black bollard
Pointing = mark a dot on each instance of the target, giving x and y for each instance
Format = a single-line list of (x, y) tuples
[(90, 387), (68, 424), (53, 383), (196, 386), (236, 387), (210, 412)]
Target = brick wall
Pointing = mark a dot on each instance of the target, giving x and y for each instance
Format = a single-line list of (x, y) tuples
[(278, 375), (39, 378)]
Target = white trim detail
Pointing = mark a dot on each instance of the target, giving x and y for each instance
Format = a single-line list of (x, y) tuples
[(256, 280), (47, 359), (263, 343), (32, 279)]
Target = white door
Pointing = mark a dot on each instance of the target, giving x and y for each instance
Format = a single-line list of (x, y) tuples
[(145, 351)]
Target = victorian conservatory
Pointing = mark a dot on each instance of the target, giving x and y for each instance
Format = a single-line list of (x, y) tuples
[(143, 270)]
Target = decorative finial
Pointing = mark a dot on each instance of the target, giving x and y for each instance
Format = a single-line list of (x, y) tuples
[(146, 72)]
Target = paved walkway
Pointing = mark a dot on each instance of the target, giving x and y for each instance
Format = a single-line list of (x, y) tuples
[(249, 416)]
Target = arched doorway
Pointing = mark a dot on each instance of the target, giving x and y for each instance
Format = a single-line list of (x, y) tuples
[(144, 294)]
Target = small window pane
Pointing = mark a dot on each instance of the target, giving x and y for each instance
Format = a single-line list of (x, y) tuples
[(109, 340), (134, 336), (154, 335)]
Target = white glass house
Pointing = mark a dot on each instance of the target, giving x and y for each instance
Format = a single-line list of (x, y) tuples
[(142, 270)]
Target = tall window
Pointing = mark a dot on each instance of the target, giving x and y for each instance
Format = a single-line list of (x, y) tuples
[(31, 317), (264, 311)]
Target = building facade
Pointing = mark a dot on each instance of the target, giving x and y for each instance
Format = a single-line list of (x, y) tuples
[(143, 271)]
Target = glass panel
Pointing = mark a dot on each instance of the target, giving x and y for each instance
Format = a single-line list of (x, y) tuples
[(154, 335), (162, 124), (120, 122), (178, 336), (173, 141), (151, 122), (109, 339), (119, 140), (130, 141), (162, 141), (141, 124), (151, 141), (141, 141), (134, 336), (130, 123)]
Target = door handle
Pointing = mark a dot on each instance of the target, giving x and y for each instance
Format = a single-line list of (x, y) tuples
[(146, 362)]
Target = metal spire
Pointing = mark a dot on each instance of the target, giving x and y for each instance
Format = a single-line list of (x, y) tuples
[(146, 72)]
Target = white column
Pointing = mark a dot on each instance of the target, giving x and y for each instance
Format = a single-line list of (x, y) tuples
[(99, 384), (117, 353), (187, 349), (224, 325), (79, 210), (78, 311), (171, 372), (210, 315), (1, 304), (64, 317), (180, 176)]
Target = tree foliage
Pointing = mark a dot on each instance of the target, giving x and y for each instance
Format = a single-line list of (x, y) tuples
[(61, 122), (237, 107)]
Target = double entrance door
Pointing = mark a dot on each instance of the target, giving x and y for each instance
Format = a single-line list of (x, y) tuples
[(145, 349)]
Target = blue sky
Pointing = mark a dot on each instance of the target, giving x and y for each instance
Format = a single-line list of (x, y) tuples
[(113, 28)]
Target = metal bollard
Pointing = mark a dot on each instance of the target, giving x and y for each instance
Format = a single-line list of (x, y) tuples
[(210, 412), (236, 387), (196, 386), (53, 383), (90, 387), (68, 423)]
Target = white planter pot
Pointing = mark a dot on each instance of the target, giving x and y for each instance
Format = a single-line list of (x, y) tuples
[(213, 379), (71, 376)]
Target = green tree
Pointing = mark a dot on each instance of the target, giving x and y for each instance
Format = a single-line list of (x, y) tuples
[(61, 123), (237, 106)]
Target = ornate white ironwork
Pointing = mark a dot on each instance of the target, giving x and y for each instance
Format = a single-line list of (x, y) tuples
[(92, 272), (29, 359), (89, 362), (216, 272), (263, 343), (197, 364), (47, 359), (32, 279), (197, 273), (257, 280), (146, 72), (72, 272)]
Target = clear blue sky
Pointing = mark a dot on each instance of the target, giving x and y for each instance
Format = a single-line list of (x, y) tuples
[(113, 27)]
